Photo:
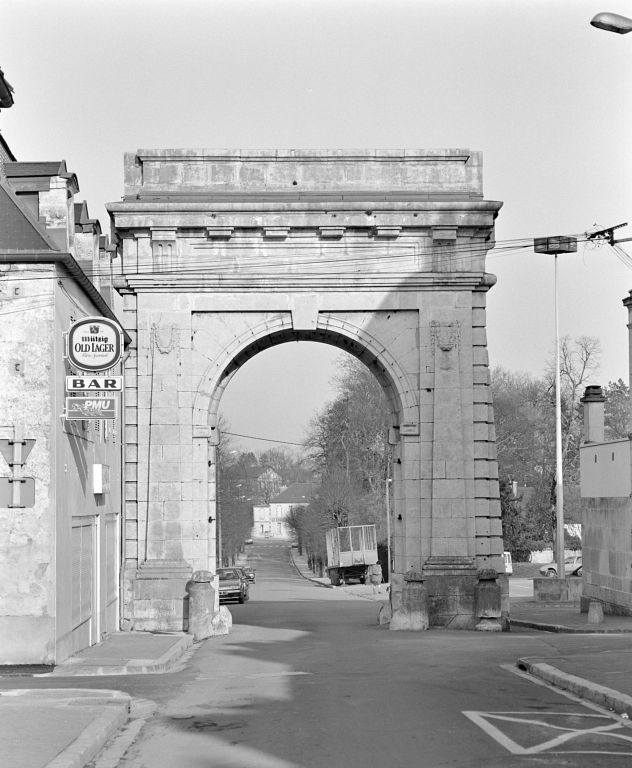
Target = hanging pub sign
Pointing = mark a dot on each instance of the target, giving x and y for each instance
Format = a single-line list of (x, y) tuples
[(86, 408), (94, 344), (94, 383)]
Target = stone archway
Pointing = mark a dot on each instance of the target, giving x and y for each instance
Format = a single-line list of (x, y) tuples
[(380, 253)]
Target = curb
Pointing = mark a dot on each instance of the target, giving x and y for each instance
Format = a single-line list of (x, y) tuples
[(619, 702), (93, 738), (308, 578), (133, 667), (116, 709), (561, 628)]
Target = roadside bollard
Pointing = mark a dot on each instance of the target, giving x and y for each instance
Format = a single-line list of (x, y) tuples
[(595, 612), (201, 604), (487, 601)]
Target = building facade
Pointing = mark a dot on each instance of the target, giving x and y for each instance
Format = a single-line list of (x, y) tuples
[(606, 490), (60, 534)]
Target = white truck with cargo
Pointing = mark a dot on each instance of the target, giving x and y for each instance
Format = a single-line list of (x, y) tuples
[(351, 552)]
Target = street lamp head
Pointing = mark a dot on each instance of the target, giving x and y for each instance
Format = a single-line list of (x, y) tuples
[(612, 22)]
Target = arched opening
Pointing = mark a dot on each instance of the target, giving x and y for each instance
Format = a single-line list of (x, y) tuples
[(379, 369)]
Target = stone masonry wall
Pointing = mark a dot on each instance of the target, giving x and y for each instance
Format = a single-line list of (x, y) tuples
[(606, 552)]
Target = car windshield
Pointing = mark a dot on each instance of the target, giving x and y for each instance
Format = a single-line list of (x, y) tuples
[(230, 574)]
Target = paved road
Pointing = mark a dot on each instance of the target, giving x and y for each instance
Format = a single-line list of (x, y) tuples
[(308, 680)]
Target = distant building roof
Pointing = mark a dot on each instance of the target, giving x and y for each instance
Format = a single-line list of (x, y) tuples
[(19, 230), (6, 155), (83, 222), (35, 175), (297, 493), (33, 168)]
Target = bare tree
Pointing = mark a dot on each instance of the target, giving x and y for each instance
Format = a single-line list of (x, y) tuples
[(617, 410), (579, 366)]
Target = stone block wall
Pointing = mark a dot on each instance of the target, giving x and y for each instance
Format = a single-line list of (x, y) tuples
[(607, 553)]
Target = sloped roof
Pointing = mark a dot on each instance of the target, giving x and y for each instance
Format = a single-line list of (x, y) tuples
[(297, 493), (36, 168), (83, 222), (5, 150), (33, 174), (19, 231)]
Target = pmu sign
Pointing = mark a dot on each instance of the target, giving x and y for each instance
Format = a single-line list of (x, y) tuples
[(94, 383), (85, 408), (94, 344)]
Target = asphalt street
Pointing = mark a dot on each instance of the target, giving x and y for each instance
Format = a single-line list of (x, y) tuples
[(308, 679)]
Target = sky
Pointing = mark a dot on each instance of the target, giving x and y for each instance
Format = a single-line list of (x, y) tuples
[(546, 97)]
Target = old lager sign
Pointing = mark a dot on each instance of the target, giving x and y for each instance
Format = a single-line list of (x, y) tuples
[(95, 344), (85, 408)]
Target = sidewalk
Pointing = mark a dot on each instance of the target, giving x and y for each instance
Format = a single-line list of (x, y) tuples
[(603, 677), (66, 728), (58, 728), (563, 617), (127, 653), (359, 590)]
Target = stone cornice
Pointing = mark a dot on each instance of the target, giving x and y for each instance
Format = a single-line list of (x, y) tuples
[(306, 155), (370, 201), (282, 283)]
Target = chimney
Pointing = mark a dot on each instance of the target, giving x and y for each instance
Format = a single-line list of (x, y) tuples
[(593, 401)]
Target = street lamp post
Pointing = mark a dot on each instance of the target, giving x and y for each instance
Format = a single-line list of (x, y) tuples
[(554, 246)]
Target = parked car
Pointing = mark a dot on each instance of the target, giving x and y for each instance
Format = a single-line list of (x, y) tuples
[(572, 567), (248, 541), (233, 585), (249, 573)]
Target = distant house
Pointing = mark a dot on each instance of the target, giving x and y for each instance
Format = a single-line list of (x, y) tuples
[(253, 483), (271, 519)]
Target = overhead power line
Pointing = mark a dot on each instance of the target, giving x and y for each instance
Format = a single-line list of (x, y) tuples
[(265, 439), (382, 259)]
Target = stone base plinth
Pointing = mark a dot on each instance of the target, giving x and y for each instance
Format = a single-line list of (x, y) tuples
[(412, 611), (554, 590), (159, 596), (450, 583)]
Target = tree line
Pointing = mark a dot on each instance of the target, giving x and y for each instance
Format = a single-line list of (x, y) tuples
[(347, 452)]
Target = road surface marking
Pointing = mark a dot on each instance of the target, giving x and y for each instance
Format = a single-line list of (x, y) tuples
[(548, 736)]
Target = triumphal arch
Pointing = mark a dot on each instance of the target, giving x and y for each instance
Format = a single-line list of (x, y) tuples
[(382, 253)]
